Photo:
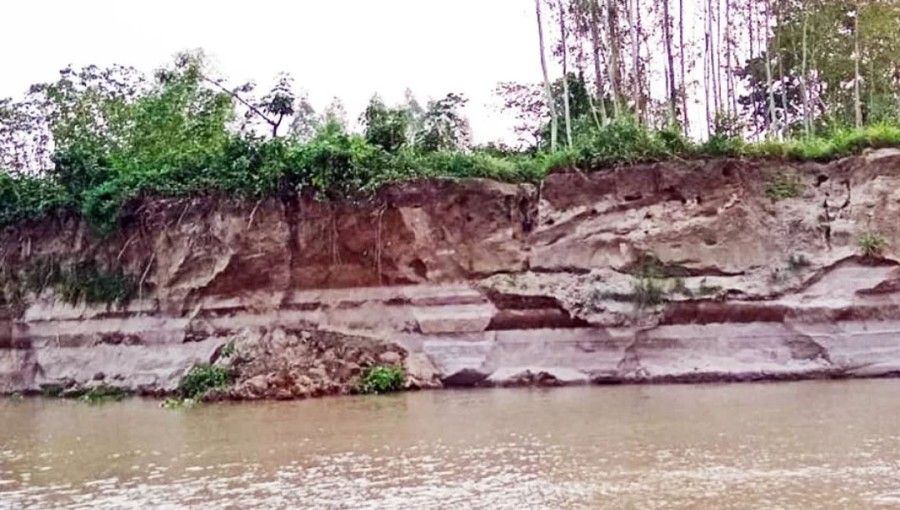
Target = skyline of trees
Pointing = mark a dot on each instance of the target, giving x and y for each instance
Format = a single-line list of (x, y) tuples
[(761, 68), (755, 69)]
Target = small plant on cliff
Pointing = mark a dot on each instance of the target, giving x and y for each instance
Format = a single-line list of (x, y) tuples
[(229, 350), (648, 293), (647, 290), (784, 186), (382, 379), (102, 393), (871, 245), (82, 281), (708, 290), (679, 287), (203, 378)]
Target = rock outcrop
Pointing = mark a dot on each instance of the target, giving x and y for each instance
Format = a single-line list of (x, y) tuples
[(677, 271)]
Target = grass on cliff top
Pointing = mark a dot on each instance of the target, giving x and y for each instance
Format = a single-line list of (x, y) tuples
[(99, 184)]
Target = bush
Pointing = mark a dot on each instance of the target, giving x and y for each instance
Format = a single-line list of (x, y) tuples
[(872, 245), (382, 379), (102, 393), (202, 379), (620, 141), (23, 197)]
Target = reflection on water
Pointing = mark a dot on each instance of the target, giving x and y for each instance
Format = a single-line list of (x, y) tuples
[(798, 445)]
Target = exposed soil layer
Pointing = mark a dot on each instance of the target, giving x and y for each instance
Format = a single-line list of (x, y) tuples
[(677, 271)]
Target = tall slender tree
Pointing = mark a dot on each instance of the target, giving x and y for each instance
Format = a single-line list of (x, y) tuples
[(595, 54), (857, 55), (565, 67), (682, 50), (612, 19), (554, 118), (772, 127), (633, 8), (670, 62)]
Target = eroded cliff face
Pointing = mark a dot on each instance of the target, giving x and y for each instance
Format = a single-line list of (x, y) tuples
[(679, 271)]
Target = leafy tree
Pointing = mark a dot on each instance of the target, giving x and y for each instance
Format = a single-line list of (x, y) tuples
[(528, 103), (305, 121), (443, 126), (279, 102), (335, 113), (386, 127)]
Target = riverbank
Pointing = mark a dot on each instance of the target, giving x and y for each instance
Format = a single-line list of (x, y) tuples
[(680, 271)]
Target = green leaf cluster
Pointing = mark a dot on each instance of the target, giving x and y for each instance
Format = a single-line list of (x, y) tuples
[(203, 378), (382, 379)]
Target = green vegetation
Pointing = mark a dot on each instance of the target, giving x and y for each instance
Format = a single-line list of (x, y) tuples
[(382, 379), (102, 393), (229, 349), (203, 378), (84, 281), (679, 287), (706, 289), (178, 403), (872, 245), (784, 186), (647, 293), (97, 141)]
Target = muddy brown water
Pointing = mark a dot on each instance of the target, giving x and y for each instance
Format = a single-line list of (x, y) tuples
[(786, 445)]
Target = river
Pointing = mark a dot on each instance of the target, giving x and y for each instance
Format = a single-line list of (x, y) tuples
[(786, 445)]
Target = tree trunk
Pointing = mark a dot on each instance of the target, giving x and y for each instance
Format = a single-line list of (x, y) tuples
[(613, 20), (752, 41), (684, 108), (595, 42), (706, 70), (565, 65), (713, 66), (635, 59), (785, 110), (769, 88), (729, 52), (804, 82), (718, 56), (554, 120), (857, 99), (670, 60)]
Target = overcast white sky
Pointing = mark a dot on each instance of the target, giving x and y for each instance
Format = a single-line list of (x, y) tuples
[(345, 48)]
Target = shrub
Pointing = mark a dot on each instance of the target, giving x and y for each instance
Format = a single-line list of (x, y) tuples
[(620, 141), (23, 198), (102, 393), (648, 293), (872, 245), (708, 290), (203, 378), (382, 379)]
